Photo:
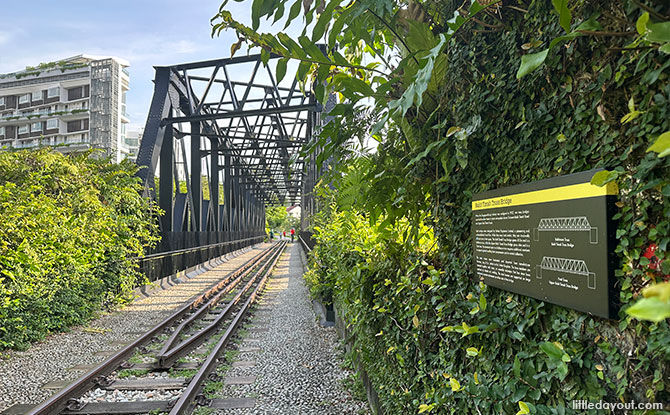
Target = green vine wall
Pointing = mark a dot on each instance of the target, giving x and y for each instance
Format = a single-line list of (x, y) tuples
[(432, 338), (464, 97)]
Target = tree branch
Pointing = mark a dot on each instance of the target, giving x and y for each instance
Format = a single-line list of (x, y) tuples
[(519, 9), (605, 33), (400, 38), (650, 10)]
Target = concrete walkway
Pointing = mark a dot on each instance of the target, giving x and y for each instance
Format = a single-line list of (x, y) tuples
[(288, 364)]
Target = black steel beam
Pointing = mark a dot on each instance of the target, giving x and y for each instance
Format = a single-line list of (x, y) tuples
[(243, 113), (166, 190), (223, 61)]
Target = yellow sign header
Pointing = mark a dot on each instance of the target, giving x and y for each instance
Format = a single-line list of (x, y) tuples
[(555, 194)]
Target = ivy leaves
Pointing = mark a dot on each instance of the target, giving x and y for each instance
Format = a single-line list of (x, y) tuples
[(556, 358), (532, 61)]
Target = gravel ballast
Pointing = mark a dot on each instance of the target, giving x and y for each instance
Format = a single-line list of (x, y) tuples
[(23, 374), (295, 361)]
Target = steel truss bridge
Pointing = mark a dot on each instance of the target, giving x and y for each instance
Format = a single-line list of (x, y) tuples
[(566, 224), (577, 223), (222, 141), (569, 266)]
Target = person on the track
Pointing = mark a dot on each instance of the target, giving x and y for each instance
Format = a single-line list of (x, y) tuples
[(292, 234)]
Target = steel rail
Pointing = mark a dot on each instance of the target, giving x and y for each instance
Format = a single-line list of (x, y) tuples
[(223, 287), (187, 400), (58, 402), (167, 358)]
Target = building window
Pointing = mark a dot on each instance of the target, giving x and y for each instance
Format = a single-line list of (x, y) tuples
[(2, 131), (2, 100), (53, 92), (52, 123), (37, 96), (24, 98), (23, 129), (36, 126)]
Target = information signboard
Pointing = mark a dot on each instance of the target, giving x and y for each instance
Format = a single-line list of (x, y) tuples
[(552, 240)]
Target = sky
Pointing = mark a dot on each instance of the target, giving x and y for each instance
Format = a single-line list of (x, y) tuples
[(146, 33)]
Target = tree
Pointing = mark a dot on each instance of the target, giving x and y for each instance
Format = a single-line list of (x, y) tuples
[(275, 216)]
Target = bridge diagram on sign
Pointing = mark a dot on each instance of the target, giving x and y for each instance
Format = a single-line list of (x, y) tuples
[(566, 265), (566, 224)]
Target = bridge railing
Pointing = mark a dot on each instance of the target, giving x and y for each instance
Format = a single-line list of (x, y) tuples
[(179, 251)]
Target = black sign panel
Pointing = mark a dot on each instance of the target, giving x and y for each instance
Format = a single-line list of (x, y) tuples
[(552, 240)]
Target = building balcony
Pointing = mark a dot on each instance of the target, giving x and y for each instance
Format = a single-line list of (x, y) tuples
[(14, 118)]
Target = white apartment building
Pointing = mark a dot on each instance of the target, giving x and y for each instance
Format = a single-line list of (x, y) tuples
[(72, 105), (133, 140)]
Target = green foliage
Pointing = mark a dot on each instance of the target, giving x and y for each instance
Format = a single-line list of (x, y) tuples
[(69, 229), (275, 216), (661, 145), (278, 220), (454, 114), (432, 339), (656, 304)]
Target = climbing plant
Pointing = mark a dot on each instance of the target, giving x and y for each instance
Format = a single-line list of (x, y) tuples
[(465, 97)]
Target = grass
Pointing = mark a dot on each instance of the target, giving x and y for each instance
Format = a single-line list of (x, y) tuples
[(203, 410), (353, 382), (231, 355), (182, 373), (136, 358), (211, 389), (126, 373)]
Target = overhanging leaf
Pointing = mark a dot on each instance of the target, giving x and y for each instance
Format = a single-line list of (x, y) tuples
[(530, 62), (235, 47), (658, 32), (324, 18), (603, 177), (281, 69), (564, 14), (293, 13), (661, 145), (661, 290), (652, 309), (641, 24)]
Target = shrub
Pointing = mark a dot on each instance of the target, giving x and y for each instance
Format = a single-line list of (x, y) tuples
[(69, 229)]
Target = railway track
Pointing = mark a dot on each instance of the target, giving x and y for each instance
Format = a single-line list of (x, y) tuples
[(166, 368)]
